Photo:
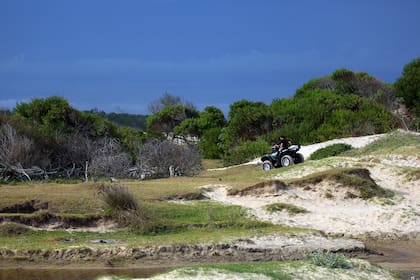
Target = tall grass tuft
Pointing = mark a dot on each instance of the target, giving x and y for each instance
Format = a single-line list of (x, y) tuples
[(118, 198), (123, 206), (330, 260)]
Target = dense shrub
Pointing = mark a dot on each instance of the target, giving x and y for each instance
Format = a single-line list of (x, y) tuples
[(320, 115), (247, 151), (330, 151)]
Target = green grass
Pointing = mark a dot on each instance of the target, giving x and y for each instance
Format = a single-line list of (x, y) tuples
[(329, 151), (356, 178), (42, 239), (290, 208), (395, 143), (212, 163), (12, 229), (173, 223), (269, 269), (303, 269), (85, 197)]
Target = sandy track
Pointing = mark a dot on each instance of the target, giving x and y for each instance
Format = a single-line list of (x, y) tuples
[(394, 218)]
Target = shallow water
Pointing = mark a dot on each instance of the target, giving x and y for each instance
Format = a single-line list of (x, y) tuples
[(74, 273), (403, 257)]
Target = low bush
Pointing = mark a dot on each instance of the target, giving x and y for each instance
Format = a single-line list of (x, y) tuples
[(12, 229), (123, 206), (292, 209), (247, 151), (330, 151), (330, 260)]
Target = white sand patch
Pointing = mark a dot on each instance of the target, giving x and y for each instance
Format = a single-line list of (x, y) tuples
[(361, 270), (305, 271), (209, 274), (309, 242), (338, 215), (355, 142)]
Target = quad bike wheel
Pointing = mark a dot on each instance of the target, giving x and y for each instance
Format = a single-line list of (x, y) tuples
[(267, 165), (286, 161), (299, 158)]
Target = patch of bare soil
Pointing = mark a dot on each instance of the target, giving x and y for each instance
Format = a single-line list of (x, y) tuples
[(30, 206), (266, 187), (49, 221)]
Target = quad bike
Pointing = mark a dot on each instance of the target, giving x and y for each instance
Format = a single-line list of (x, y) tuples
[(285, 157)]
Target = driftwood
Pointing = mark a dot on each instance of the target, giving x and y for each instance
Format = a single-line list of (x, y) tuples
[(11, 172)]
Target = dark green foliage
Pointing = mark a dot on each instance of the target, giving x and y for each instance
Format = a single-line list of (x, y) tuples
[(168, 118), (344, 81), (247, 151), (330, 151), (210, 143), (61, 135), (211, 117), (208, 127), (248, 121), (320, 115), (342, 105), (292, 209), (54, 115), (330, 260), (408, 86), (123, 119)]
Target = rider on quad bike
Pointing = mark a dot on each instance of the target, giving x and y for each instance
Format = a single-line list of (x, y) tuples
[(282, 154)]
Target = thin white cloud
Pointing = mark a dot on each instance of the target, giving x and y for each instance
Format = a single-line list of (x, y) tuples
[(17, 60)]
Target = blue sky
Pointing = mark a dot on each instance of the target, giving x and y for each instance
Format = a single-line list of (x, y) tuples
[(121, 55)]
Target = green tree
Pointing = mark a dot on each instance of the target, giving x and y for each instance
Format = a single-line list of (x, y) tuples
[(249, 120), (319, 115), (207, 126), (211, 117), (344, 81), (167, 119), (408, 86)]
